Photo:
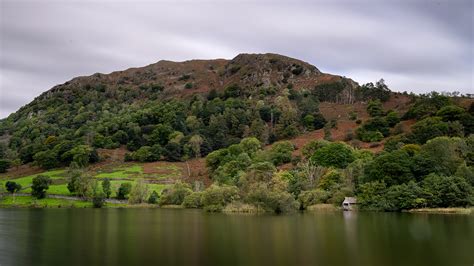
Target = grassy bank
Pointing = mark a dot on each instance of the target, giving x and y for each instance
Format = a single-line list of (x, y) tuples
[(323, 207), (444, 210), (30, 202)]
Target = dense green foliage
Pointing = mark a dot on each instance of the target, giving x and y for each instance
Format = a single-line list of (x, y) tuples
[(333, 154), (154, 197), (4, 165), (12, 186), (106, 188), (176, 194), (68, 125), (437, 174), (124, 190), (40, 185), (430, 165)]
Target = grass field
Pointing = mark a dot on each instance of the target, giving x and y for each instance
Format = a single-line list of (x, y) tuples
[(28, 201), (122, 174), (26, 181)]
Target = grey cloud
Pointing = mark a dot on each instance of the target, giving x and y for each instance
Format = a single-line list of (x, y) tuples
[(415, 45)]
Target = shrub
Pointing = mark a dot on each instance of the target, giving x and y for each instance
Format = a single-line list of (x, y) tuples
[(353, 116), (98, 199), (369, 136), (330, 180), (374, 108), (310, 148), (138, 193), (280, 152), (193, 200), (392, 118), (124, 190), (273, 200), (215, 197), (311, 197), (175, 194), (154, 197), (106, 187)]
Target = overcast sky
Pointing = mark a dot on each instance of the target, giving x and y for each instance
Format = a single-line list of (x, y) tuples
[(414, 45)]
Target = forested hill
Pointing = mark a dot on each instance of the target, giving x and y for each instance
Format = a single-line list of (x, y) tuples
[(180, 110), (221, 100)]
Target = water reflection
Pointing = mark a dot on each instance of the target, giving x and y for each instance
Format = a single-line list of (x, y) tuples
[(193, 237)]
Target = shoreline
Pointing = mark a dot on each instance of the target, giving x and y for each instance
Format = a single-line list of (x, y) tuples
[(55, 202)]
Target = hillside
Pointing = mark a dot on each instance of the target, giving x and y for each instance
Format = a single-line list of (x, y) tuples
[(260, 127), (159, 108), (105, 110)]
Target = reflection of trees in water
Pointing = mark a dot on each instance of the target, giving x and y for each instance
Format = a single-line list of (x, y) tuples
[(350, 225)]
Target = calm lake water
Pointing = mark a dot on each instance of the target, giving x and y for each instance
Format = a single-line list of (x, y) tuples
[(193, 237)]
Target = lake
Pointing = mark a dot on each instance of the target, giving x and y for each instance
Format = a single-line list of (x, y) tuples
[(193, 237)]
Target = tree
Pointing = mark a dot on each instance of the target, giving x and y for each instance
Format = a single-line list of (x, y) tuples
[(79, 183), (311, 197), (175, 194), (106, 187), (392, 168), (138, 193), (335, 154), (447, 191), (173, 152), (46, 159), (124, 190), (441, 155), (392, 118), (4, 165), (81, 155), (372, 195), (147, 153), (429, 128), (98, 199), (215, 198), (310, 148), (193, 200), (154, 197), (451, 113), (12, 187), (250, 145), (281, 152), (404, 197), (40, 185), (195, 143), (375, 108), (120, 136), (161, 134), (330, 180)]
